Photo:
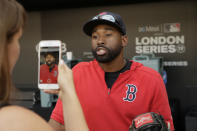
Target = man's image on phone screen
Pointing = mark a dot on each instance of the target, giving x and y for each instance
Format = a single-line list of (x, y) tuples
[(49, 59)]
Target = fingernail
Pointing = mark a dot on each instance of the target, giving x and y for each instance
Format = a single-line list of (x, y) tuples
[(61, 62)]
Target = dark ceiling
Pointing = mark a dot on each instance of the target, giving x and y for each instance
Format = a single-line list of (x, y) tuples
[(38, 5)]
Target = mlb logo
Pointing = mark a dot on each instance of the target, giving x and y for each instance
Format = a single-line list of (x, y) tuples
[(172, 27)]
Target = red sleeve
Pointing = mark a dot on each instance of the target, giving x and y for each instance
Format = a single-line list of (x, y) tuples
[(57, 113), (160, 103)]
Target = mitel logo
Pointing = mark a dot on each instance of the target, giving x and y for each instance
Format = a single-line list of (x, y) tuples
[(172, 27), (149, 29)]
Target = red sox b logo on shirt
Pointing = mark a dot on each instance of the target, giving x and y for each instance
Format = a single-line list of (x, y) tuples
[(55, 73), (130, 93)]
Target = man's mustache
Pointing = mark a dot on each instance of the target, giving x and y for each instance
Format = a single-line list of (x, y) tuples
[(101, 46), (48, 61)]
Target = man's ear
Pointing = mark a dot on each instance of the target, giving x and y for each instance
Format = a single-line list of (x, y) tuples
[(124, 40)]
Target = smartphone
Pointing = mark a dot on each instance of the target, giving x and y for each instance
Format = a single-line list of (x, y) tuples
[(49, 54)]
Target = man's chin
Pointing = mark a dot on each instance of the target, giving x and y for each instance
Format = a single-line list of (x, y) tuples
[(103, 59), (49, 64)]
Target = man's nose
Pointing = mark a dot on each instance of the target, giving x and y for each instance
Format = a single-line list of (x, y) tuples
[(101, 40)]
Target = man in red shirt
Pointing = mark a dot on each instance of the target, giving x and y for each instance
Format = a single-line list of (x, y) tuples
[(49, 70), (113, 90)]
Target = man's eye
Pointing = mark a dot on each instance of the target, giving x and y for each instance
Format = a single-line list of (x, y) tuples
[(94, 37), (108, 34)]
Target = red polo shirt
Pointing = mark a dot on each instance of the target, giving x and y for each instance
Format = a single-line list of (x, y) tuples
[(136, 91), (46, 76)]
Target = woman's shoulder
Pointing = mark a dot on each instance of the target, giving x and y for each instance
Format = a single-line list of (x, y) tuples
[(21, 119)]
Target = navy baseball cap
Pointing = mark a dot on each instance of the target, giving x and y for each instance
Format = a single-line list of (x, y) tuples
[(108, 18)]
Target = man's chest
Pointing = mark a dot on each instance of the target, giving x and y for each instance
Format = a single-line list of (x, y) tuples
[(127, 95)]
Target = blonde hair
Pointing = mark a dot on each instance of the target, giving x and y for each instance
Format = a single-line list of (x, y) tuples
[(12, 19)]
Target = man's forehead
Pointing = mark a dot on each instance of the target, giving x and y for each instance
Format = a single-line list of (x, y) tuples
[(49, 55), (103, 27)]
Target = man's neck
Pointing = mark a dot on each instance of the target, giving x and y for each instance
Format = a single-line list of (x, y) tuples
[(115, 65), (51, 67)]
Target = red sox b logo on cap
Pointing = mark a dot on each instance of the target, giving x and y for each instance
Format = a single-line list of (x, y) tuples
[(130, 93), (105, 16), (103, 13)]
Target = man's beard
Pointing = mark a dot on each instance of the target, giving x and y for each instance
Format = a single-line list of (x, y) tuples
[(110, 54), (50, 63)]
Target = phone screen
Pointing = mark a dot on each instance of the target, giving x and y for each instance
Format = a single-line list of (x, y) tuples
[(49, 59)]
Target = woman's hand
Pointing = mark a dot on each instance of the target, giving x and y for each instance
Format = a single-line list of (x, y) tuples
[(72, 110), (65, 79)]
